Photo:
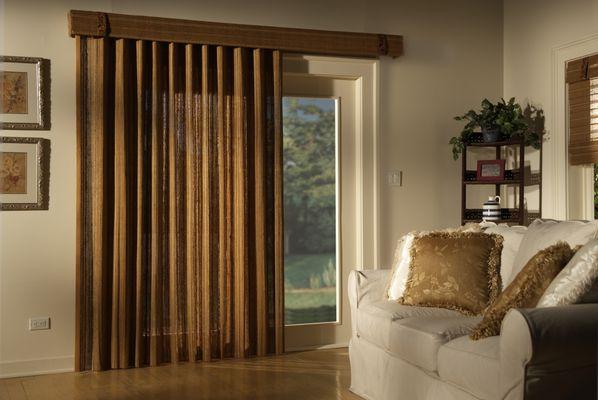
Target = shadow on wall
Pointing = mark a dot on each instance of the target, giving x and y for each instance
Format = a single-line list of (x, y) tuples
[(535, 119)]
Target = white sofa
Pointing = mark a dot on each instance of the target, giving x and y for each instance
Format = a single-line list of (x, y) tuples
[(410, 353)]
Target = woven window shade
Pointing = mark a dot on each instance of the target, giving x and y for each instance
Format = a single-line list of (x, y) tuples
[(582, 82)]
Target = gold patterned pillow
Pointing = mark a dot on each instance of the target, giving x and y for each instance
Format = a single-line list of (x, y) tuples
[(526, 289), (455, 270)]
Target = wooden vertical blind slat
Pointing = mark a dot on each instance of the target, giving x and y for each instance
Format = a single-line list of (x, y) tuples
[(191, 179), (224, 197), (172, 191), (206, 259), (260, 208), (179, 203), (119, 274), (156, 209), (140, 252), (99, 159), (278, 205), (81, 310), (239, 199)]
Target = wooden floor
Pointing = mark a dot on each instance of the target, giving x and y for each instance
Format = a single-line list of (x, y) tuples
[(321, 374)]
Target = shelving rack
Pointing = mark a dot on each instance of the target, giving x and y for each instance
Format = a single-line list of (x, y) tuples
[(518, 176)]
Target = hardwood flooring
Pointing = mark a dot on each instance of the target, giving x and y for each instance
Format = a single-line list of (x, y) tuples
[(320, 374)]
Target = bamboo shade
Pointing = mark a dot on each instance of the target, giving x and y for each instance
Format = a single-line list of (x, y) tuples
[(582, 88)]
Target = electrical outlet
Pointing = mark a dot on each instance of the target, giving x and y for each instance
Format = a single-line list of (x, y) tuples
[(38, 324)]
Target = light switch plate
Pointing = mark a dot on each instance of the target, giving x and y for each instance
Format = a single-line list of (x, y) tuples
[(394, 178), (39, 324)]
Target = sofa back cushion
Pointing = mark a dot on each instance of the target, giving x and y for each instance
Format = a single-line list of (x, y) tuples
[(512, 235), (458, 270), (400, 263), (544, 233)]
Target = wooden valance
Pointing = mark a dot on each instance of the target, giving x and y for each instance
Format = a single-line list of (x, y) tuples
[(582, 82), (307, 41)]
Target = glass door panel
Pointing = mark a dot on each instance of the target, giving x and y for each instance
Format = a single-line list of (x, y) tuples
[(311, 211)]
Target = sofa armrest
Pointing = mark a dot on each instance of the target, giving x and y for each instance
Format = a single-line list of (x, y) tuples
[(365, 286), (550, 353), (515, 353)]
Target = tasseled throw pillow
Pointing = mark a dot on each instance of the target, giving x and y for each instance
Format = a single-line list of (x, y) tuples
[(526, 289), (456, 270)]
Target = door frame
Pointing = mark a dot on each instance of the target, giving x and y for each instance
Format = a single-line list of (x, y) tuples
[(364, 73)]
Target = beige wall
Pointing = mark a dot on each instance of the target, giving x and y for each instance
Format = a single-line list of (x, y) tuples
[(453, 58), (532, 30)]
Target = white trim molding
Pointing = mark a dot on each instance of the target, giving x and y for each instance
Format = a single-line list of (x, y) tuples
[(38, 366), (322, 347), (365, 72), (556, 174)]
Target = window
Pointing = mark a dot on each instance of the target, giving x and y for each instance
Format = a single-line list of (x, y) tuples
[(310, 157)]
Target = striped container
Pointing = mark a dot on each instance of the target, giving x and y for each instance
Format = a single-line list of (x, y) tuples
[(491, 209)]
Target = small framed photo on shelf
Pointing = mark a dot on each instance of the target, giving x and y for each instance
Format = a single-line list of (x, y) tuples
[(24, 173), (25, 91), (491, 170)]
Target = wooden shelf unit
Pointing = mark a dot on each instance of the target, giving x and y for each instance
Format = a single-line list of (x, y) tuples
[(513, 177)]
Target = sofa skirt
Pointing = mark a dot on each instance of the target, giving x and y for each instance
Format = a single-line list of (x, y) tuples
[(376, 375)]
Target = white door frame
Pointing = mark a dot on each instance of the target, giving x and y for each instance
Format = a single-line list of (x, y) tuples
[(365, 72), (557, 173)]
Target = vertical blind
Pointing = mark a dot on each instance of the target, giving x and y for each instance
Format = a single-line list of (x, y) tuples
[(582, 83), (179, 202)]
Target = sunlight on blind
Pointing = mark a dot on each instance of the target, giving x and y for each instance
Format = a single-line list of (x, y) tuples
[(594, 109)]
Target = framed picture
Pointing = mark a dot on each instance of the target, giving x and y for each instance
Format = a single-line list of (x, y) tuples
[(25, 91), (24, 173), (491, 170)]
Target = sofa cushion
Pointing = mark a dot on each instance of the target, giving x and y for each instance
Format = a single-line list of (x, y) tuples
[(418, 339), (544, 233), (471, 365), (512, 235), (375, 320)]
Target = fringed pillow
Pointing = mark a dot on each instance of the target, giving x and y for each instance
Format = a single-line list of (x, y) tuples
[(526, 289), (454, 270), (402, 258)]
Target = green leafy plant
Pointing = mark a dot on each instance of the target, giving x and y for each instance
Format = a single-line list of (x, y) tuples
[(505, 117)]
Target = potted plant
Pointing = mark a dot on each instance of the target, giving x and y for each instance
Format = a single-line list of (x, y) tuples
[(502, 120)]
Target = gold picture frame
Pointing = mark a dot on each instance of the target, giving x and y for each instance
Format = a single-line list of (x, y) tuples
[(24, 93), (24, 173)]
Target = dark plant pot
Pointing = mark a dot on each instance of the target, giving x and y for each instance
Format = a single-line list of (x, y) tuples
[(490, 135)]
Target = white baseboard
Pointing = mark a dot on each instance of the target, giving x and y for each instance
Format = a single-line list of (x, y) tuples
[(39, 366), (322, 347)]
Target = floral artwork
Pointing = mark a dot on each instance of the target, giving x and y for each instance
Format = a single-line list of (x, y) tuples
[(13, 86), (13, 173)]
